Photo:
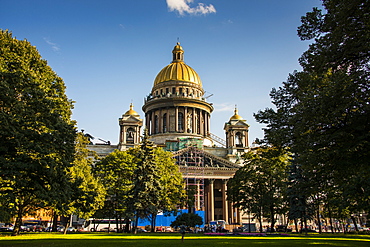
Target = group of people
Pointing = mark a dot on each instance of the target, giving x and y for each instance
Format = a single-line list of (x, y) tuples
[(214, 228)]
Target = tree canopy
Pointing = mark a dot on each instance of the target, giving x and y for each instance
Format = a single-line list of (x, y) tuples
[(322, 112), (116, 171), (36, 131), (187, 219), (259, 187), (89, 191)]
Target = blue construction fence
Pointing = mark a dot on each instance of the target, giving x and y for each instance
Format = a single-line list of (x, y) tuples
[(166, 220)]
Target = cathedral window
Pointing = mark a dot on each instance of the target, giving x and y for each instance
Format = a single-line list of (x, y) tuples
[(239, 139), (130, 135), (173, 90), (164, 130), (181, 122)]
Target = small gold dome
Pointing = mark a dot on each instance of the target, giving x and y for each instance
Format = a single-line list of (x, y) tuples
[(236, 116), (177, 47), (178, 70), (131, 111)]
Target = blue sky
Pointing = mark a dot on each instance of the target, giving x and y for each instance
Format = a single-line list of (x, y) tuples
[(108, 52)]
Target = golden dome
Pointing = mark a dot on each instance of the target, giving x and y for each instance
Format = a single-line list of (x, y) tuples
[(131, 111), (236, 116), (178, 70)]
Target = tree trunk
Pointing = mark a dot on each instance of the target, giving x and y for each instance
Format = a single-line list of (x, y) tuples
[(260, 220), (127, 227), (154, 216), (109, 226), (296, 225), (319, 220), (55, 222), (117, 224), (330, 220), (18, 221), (272, 218), (136, 223), (69, 221), (305, 225), (301, 225)]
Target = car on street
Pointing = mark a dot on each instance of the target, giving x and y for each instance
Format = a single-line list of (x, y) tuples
[(6, 229)]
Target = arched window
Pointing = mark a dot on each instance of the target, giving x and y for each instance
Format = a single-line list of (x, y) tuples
[(164, 123), (239, 139), (130, 133), (180, 122)]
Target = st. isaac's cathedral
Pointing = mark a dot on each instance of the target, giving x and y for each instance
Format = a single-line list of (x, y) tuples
[(178, 118)]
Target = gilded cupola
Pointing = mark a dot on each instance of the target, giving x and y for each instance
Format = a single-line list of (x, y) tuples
[(177, 70), (236, 116), (132, 112)]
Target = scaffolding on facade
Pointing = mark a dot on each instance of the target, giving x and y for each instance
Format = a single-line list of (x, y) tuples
[(190, 157)]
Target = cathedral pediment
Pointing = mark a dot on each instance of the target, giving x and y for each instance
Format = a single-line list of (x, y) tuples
[(240, 123), (130, 119)]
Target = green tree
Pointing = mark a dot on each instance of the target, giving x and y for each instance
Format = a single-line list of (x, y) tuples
[(322, 113), (260, 185), (116, 172), (187, 219), (36, 131), (89, 192), (338, 92), (146, 189), (172, 195), (300, 196)]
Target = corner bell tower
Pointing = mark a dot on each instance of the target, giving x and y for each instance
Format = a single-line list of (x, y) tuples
[(130, 126), (236, 131)]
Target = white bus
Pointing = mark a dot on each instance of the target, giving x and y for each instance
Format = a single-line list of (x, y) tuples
[(100, 225)]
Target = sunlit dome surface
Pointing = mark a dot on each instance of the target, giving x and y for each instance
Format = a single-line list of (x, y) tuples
[(178, 70)]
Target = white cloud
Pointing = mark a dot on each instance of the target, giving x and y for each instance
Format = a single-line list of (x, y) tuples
[(54, 46), (224, 107), (122, 26), (183, 7)]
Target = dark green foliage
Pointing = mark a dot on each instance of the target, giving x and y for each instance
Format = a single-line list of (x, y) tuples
[(37, 135), (116, 173), (88, 191), (187, 219), (322, 113), (146, 188), (259, 187)]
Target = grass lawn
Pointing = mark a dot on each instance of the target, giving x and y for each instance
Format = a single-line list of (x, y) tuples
[(174, 239)]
